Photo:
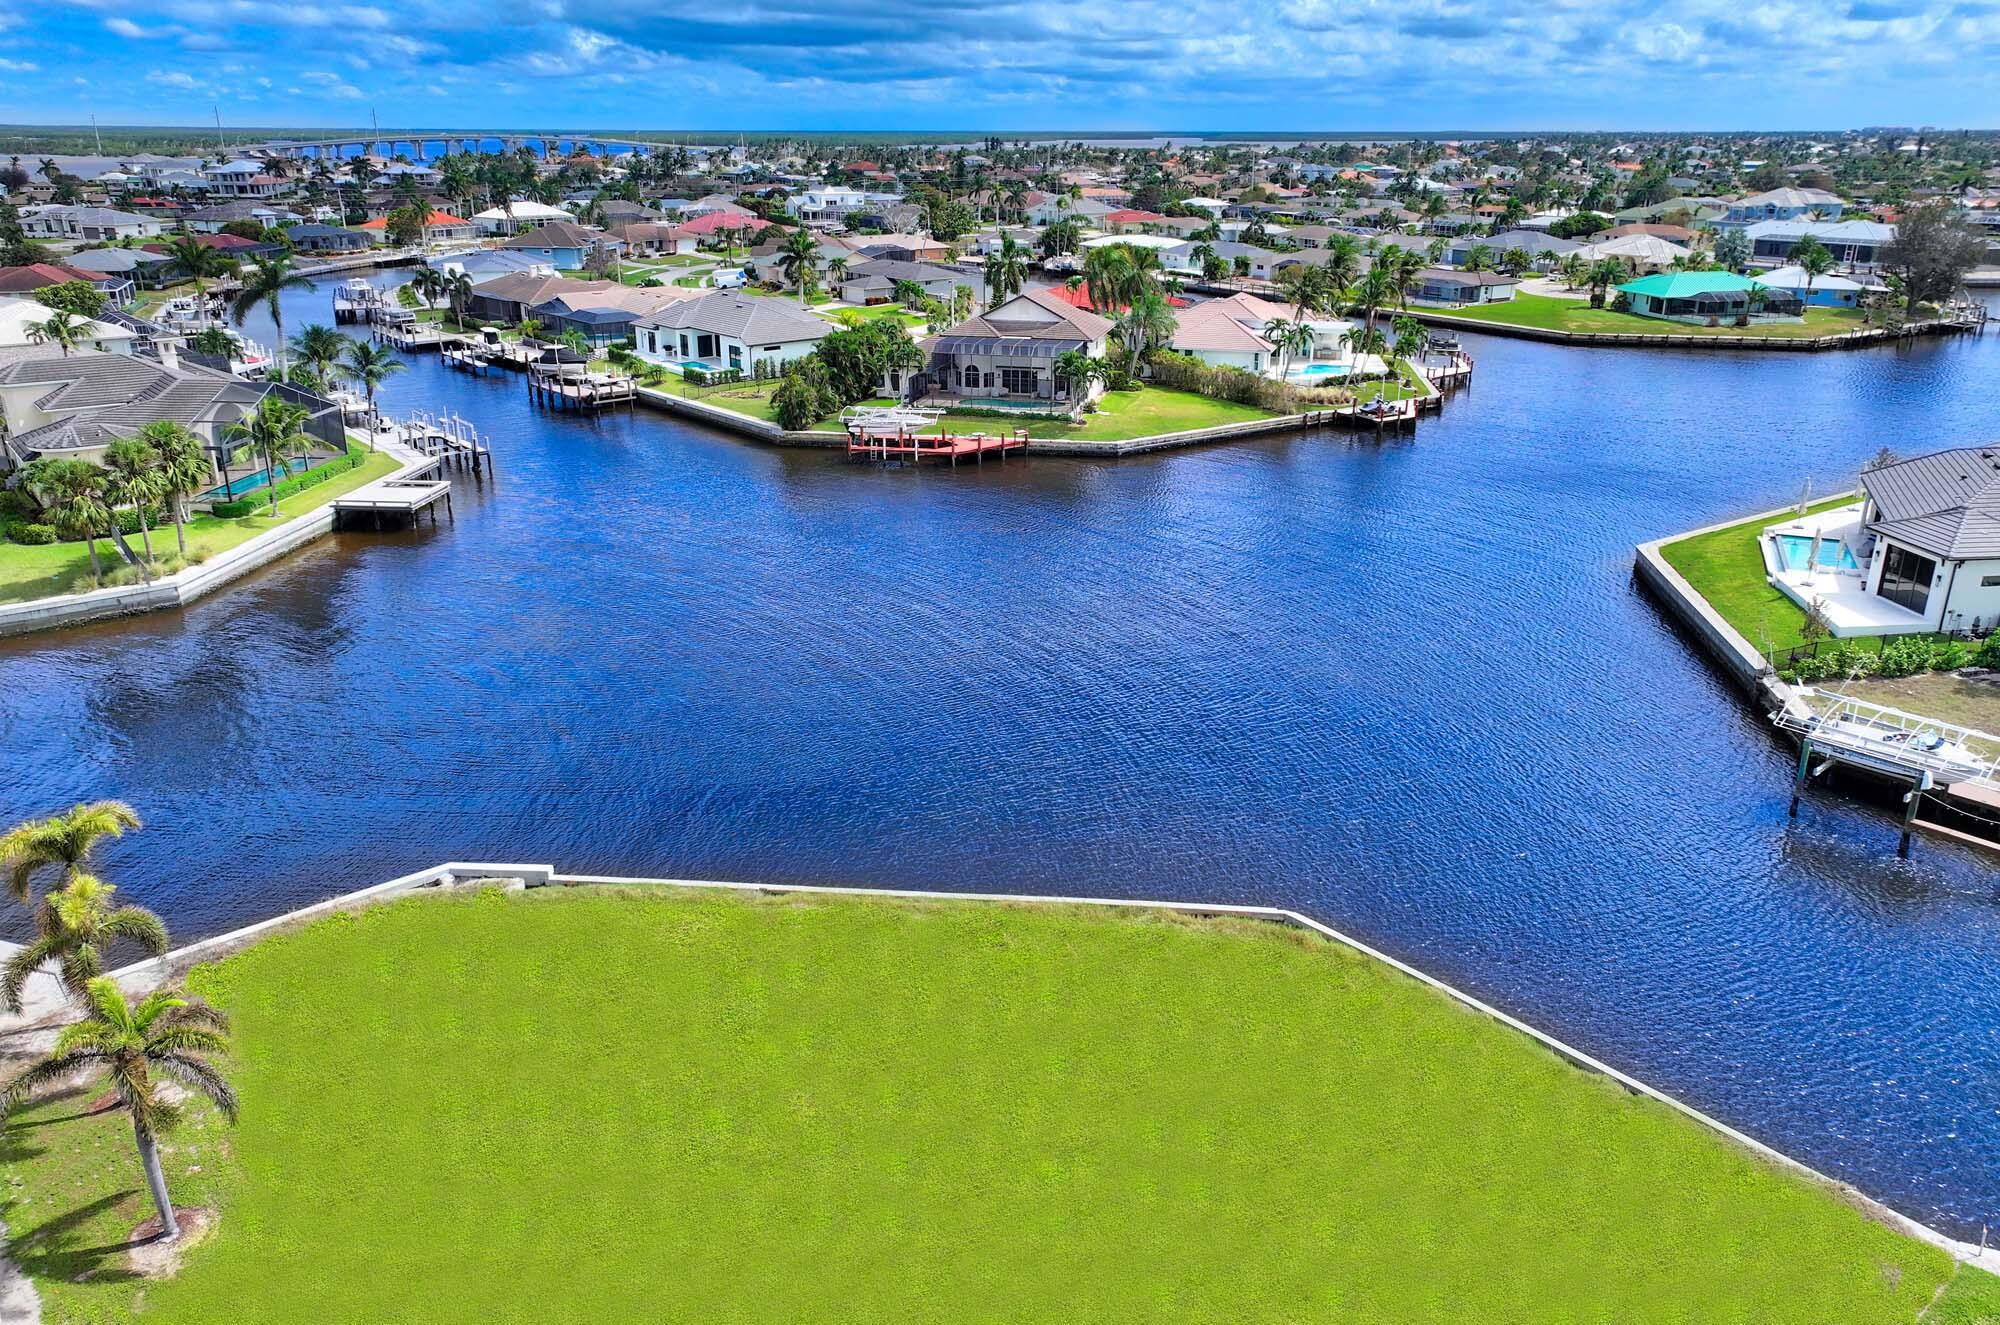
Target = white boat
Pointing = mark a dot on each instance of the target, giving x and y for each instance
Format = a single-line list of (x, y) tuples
[(1885, 740)]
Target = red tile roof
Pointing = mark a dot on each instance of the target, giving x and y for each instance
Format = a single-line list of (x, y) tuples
[(1131, 214), (434, 219), (709, 222), (40, 275), (1080, 297)]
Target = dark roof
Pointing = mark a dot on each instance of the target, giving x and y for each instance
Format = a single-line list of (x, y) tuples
[(1947, 502), (105, 397), (554, 234), (887, 271), (1441, 276)]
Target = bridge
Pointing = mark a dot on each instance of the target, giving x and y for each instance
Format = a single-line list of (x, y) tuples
[(449, 142)]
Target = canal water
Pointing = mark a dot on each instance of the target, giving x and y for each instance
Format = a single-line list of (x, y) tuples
[(1407, 687)]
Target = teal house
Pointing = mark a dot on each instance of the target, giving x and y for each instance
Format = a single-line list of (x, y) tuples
[(1709, 298)]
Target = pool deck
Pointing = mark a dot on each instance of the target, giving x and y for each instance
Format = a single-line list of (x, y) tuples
[(1841, 592)]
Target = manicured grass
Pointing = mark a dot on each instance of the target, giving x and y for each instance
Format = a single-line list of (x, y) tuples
[(1553, 314), (1121, 415), (1726, 567), (751, 397), (873, 313), (1937, 695), (581, 1106), (38, 572)]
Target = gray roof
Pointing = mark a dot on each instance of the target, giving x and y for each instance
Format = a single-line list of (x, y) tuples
[(1946, 503), (885, 272), (555, 234), (1531, 241), (115, 261), (105, 397), (1442, 276), (745, 317)]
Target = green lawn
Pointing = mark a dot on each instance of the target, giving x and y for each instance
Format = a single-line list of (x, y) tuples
[(1121, 416), (1726, 567), (575, 1105), (751, 397), (38, 572), (1553, 314), (874, 313)]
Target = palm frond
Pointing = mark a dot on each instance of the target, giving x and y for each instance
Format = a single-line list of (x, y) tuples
[(139, 925), (86, 1037), (19, 967), (199, 1074), (190, 1011), (108, 999), (187, 1040), (51, 1069)]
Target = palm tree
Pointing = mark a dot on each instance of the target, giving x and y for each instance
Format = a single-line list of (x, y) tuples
[(1377, 288), (1111, 278), (1006, 271), (458, 293), (369, 365), (274, 434), (59, 328), (61, 841), (319, 347), (75, 923), (1603, 274), (1148, 322), (72, 492), (167, 1035), (429, 283), (836, 272), (1078, 370), (217, 341), (1814, 259), (133, 468), (1289, 339), (267, 279), (183, 469), (798, 259), (201, 263)]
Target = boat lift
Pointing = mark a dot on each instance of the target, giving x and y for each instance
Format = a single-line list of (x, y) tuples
[(1887, 742)]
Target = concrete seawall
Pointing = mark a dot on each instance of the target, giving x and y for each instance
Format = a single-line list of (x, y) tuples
[(147, 975), (1844, 340), (178, 590)]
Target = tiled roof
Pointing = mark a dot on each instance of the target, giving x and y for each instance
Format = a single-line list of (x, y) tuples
[(1946, 503)]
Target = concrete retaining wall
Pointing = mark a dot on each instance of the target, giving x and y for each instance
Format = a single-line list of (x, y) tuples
[(147, 975), (175, 590)]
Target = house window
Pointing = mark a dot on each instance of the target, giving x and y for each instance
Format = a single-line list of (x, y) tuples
[(895, 380), (1989, 581), (971, 377), (736, 356), (1906, 578), (1019, 381)]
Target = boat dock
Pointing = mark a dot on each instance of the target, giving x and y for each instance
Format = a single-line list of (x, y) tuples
[(403, 500), (467, 355), (1889, 743), (590, 392), (945, 448), (449, 441)]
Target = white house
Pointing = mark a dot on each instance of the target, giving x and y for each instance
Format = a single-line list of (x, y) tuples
[(1920, 552), (1236, 333), (243, 179), (726, 330), (18, 340), (524, 215)]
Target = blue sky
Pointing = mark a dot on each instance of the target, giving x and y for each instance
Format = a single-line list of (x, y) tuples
[(1006, 64)]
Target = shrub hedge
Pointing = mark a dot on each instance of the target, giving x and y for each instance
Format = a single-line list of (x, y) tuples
[(32, 534), (312, 478)]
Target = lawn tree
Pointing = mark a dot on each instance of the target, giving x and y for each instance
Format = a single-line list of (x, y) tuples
[(264, 282), (78, 298), (1812, 258), (61, 842), (132, 469), (75, 923), (274, 434), (60, 328), (72, 494), (368, 365), (1147, 323), (183, 468), (1006, 271), (1291, 340), (798, 259), (168, 1035), (1732, 249), (1933, 249)]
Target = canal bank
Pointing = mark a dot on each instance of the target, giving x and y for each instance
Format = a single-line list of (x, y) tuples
[(1412, 692)]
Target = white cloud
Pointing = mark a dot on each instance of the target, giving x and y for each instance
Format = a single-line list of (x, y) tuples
[(173, 78), (125, 27), (17, 66)]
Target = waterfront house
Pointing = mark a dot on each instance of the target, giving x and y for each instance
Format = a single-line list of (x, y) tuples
[(1854, 243), (875, 281), (604, 313), (1008, 352), (564, 245), (522, 214), (508, 297), (1440, 285), (93, 225), (75, 407), (1787, 204), (142, 269), (41, 275), (1708, 298), (1828, 291), (729, 330), (1919, 552), (1088, 212), (328, 240), (1234, 332)]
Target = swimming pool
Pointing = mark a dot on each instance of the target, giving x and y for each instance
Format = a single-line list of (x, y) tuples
[(1313, 370), (251, 481), (1795, 550)]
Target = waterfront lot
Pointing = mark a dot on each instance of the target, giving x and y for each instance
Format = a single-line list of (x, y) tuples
[(1555, 314), (571, 1105), (1726, 567), (37, 572)]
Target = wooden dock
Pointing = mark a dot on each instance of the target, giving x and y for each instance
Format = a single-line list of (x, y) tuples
[(466, 355), (448, 440), (402, 500), (589, 392), (882, 447)]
